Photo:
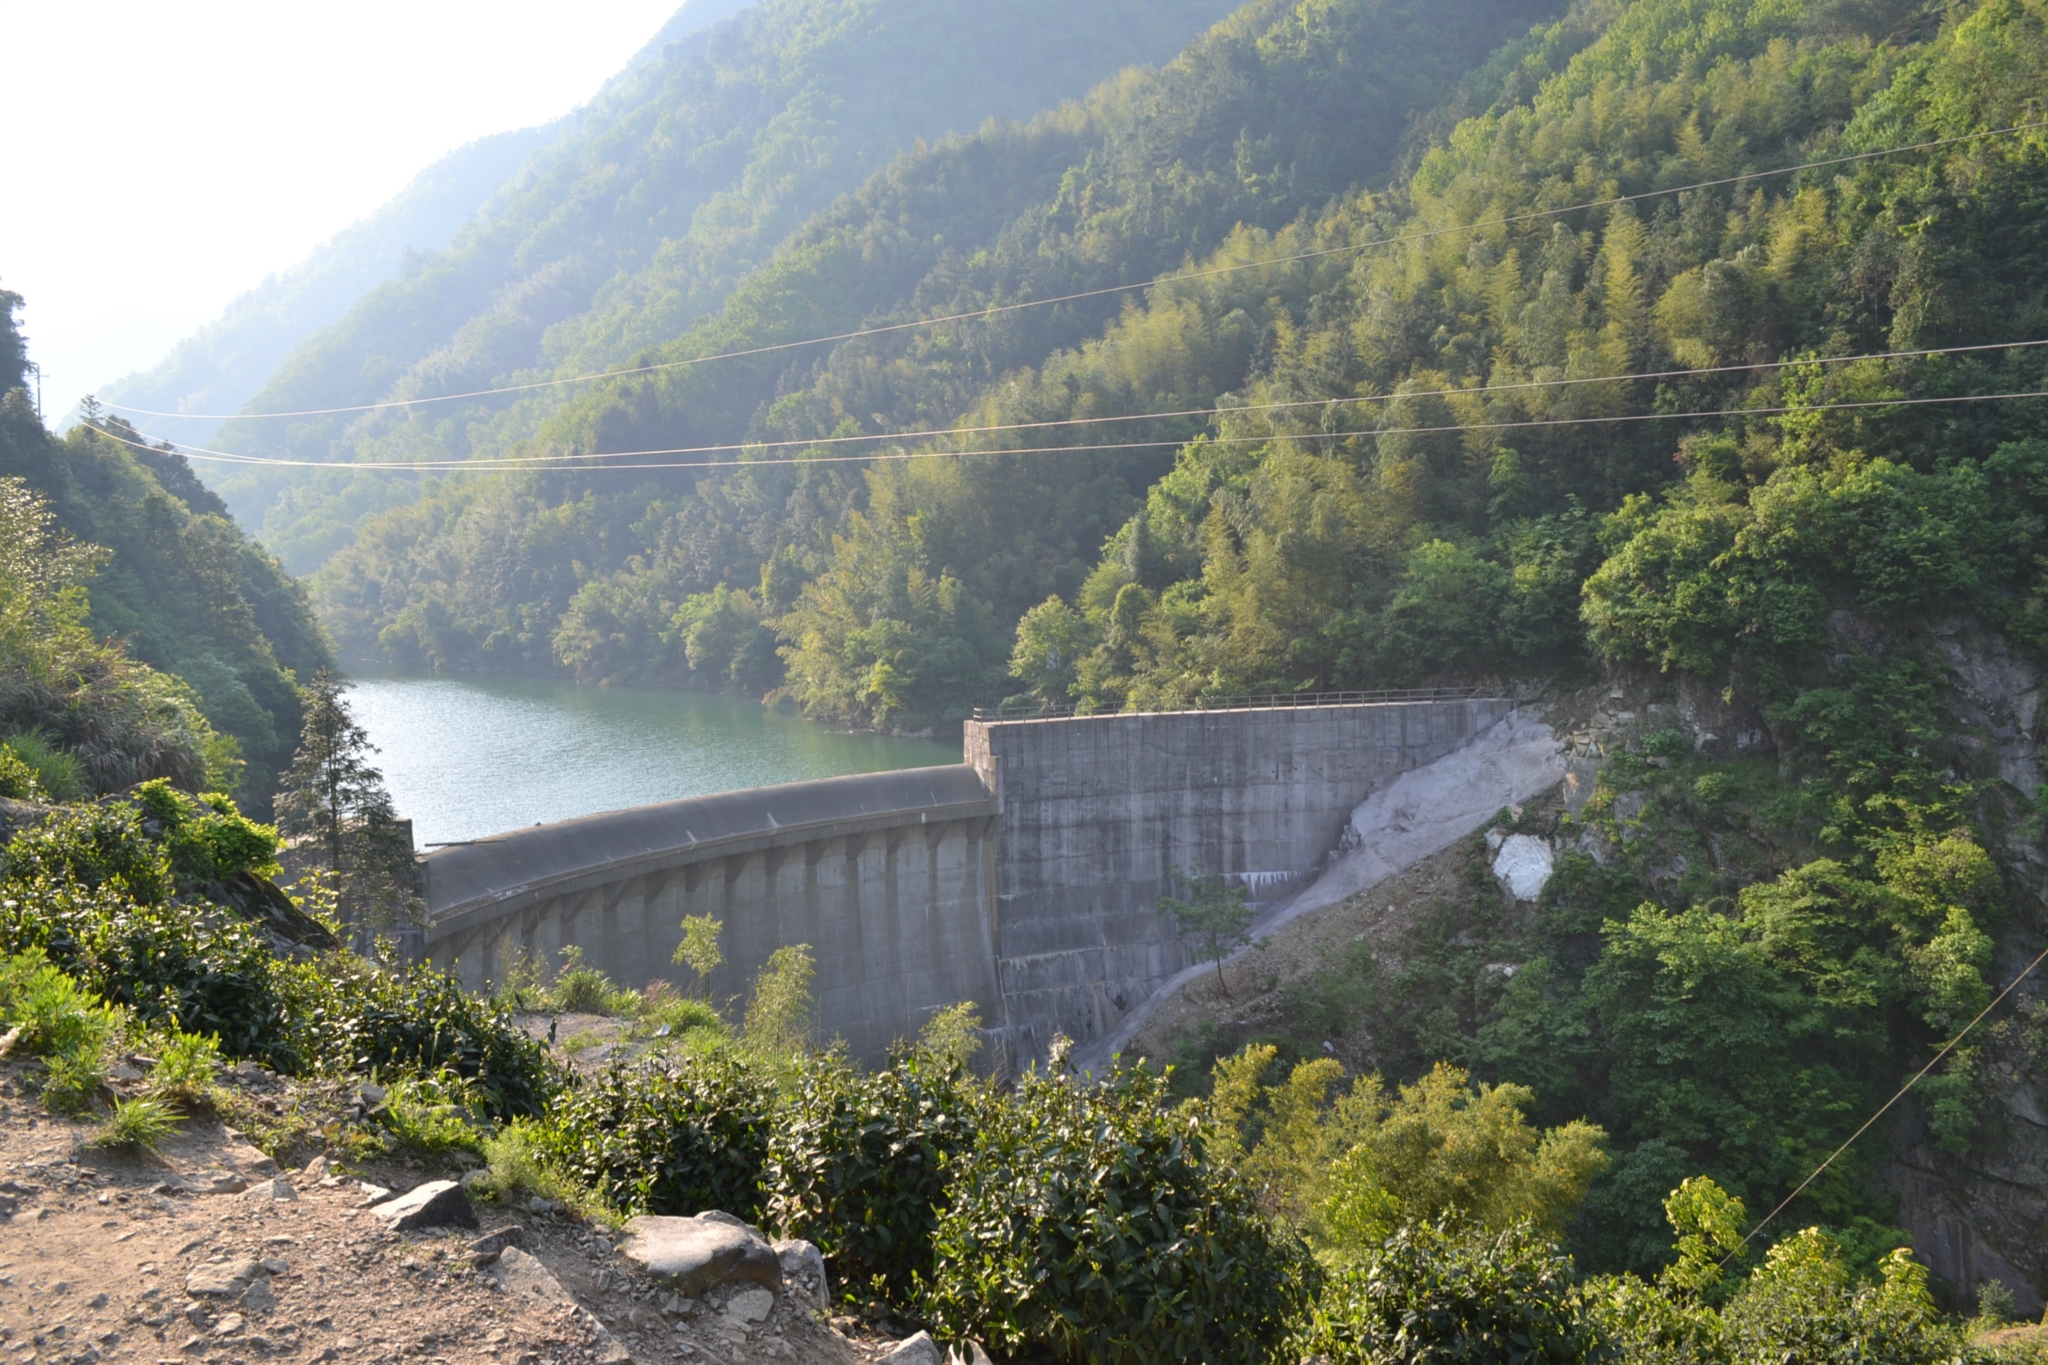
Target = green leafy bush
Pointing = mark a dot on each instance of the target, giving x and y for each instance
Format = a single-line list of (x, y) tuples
[(18, 781), (673, 1136), (174, 966), (581, 989), (1434, 1292), (435, 1114), (186, 1064), (351, 1016), (206, 838), (55, 1016), (55, 773), (858, 1163), (1092, 1224)]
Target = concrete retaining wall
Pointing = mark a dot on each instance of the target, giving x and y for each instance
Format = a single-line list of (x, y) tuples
[(1023, 880), (886, 875), (1097, 811)]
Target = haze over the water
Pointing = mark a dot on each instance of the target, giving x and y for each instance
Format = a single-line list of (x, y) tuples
[(166, 156)]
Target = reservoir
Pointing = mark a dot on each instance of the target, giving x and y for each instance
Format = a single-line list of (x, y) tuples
[(465, 757)]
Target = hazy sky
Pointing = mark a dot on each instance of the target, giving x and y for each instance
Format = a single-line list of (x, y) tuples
[(165, 155)]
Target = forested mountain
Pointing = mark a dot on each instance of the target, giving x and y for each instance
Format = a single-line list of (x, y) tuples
[(640, 217), (180, 588), (221, 366), (1581, 379), (619, 575)]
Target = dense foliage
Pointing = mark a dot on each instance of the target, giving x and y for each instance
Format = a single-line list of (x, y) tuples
[(860, 1162), (895, 593), (671, 1136), (124, 897), (1094, 1224), (641, 213), (210, 628)]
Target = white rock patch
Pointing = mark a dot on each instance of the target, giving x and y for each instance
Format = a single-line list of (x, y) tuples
[(1523, 865)]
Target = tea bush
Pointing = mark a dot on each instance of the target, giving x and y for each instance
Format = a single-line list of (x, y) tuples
[(1438, 1292), (1092, 1224), (676, 1135), (349, 1015), (858, 1163)]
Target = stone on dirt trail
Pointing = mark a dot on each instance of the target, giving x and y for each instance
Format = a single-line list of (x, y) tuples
[(969, 1354), (276, 1190), (917, 1350), (223, 1279), (694, 1254), (436, 1204), (520, 1274), (486, 1248), (803, 1268)]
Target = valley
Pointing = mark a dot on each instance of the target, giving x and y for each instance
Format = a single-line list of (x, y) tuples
[(1314, 681)]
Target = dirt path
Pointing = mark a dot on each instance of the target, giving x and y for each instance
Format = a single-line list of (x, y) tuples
[(103, 1256)]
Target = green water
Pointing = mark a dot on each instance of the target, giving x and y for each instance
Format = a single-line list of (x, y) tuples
[(466, 757)]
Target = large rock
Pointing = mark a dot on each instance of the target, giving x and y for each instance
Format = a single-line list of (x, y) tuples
[(436, 1204), (803, 1268), (917, 1350), (692, 1255)]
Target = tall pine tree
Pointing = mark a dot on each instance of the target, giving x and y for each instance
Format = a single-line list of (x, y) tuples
[(336, 801)]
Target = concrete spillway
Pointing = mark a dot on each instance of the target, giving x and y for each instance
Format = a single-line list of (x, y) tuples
[(1024, 879)]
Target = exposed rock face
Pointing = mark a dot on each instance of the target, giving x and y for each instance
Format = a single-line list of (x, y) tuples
[(1522, 864), (692, 1255)]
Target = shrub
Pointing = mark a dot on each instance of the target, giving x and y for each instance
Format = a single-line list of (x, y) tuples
[(17, 779), (1437, 1293), (858, 1163), (54, 774), (433, 1115), (779, 1016), (55, 1017), (1092, 1224), (206, 838), (673, 1136), (586, 990), (91, 847), (186, 1064), (665, 1012), (72, 1080), (351, 1016), (179, 966), (137, 1123)]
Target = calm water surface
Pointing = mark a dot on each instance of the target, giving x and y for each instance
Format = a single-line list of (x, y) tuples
[(466, 757)]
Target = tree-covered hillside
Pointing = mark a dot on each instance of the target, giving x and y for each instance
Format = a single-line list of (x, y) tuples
[(639, 218), (221, 366), (181, 589), (660, 575)]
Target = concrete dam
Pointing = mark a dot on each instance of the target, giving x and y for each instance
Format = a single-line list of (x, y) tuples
[(1024, 879)]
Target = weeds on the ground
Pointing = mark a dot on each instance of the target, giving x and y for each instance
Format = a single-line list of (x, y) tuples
[(580, 989), (514, 1169), (186, 1065), (435, 1115), (137, 1124)]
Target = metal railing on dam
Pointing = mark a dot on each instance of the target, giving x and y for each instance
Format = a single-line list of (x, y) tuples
[(1024, 879)]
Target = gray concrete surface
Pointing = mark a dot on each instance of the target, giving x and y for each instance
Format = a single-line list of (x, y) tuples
[(1024, 880)]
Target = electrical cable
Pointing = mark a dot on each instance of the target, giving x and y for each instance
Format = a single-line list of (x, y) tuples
[(1950, 1046), (934, 433), (1508, 220), (483, 466)]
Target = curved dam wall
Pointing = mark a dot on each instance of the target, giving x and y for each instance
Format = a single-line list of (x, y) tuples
[(1024, 879)]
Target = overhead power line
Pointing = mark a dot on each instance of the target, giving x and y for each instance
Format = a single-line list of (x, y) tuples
[(637, 465), (1886, 1106), (1508, 220)]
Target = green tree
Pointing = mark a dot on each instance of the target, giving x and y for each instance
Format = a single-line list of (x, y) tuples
[(334, 800), (1214, 914), (699, 949)]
